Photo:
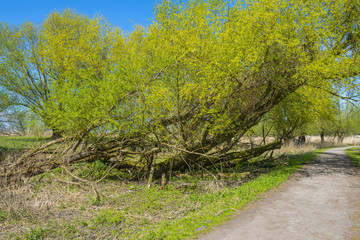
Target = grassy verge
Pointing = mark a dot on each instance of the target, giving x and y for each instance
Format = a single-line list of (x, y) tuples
[(186, 207), (354, 154), (215, 209)]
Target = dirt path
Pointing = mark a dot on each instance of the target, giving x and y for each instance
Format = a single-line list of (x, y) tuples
[(319, 202)]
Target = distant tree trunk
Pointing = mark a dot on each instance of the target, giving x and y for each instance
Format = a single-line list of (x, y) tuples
[(289, 141), (56, 134), (263, 134), (340, 138), (302, 140), (322, 136)]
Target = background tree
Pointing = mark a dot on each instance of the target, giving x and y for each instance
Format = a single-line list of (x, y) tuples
[(304, 112), (62, 69)]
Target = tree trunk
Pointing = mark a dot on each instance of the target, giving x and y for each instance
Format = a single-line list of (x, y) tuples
[(322, 137), (340, 138), (177, 162), (40, 162), (55, 134)]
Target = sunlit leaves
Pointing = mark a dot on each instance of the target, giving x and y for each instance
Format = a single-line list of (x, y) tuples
[(211, 67)]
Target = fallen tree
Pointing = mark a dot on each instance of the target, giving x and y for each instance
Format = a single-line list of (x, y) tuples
[(42, 162)]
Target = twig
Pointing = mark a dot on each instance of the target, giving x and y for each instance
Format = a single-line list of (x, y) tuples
[(62, 180), (108, 172)]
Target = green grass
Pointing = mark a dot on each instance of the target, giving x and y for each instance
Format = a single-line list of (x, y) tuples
[(185, 208), (354, 154), (216, 208), (20, 143)]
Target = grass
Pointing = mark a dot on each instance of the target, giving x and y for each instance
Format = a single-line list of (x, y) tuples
[(19, 142), (191, 204), (215, 208), (354, 154), (14, 145)]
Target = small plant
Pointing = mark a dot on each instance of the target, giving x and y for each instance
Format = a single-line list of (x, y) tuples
[(70, 228), (14, 214), (93, 171), (109, 217), (84, 223), (94, 200), (2, 217), (63, 206), (37, 233)]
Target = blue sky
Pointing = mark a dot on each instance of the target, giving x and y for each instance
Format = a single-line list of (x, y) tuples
[(121, 13)]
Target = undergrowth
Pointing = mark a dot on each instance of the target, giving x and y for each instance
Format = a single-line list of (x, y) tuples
[(189, 205)]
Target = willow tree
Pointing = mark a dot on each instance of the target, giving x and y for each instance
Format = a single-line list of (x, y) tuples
[(202, 74), (229, 63), (208, 71)]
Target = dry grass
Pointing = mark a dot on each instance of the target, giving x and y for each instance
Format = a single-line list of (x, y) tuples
[(36, 203), (46, 206), (291, 149), (127, 210), (333, 141), (67, 211)]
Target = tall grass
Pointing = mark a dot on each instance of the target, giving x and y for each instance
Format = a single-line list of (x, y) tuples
[(331, 141)]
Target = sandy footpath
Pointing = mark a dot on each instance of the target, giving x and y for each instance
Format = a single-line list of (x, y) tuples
[(319, 202)]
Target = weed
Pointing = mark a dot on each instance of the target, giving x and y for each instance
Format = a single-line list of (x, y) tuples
[(70, 228), (2, 216), (92, 171), (84, 223), (109, 217), (37, 233), (63, 206), (94, 200), (15, 214)]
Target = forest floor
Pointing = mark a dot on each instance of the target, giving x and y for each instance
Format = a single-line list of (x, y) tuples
[(321, 201)]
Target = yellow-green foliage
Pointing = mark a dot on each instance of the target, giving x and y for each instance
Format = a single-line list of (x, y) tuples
[(305, 106), (225, 63)]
